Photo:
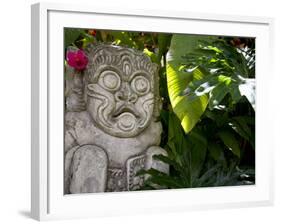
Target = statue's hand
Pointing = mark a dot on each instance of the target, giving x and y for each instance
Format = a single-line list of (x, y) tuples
[(85, 169), (153, 163)]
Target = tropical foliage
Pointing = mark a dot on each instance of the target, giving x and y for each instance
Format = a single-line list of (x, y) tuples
[(207, 86)]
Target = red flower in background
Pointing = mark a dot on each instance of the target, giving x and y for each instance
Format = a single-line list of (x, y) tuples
[(77, 59), (92, 32)]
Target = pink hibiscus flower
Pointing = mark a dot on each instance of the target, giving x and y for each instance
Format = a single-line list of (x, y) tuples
[(77, 59)]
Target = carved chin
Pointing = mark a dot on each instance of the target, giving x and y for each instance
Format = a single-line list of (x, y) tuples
[(126, 122)]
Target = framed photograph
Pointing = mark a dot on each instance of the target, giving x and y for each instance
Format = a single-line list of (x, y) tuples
[(138, 111)]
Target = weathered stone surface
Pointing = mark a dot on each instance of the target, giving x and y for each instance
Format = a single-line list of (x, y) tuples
[(74, 91), (89, 168), (120, 93), (134, 165)]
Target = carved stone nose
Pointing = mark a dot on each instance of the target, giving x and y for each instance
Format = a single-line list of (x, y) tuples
[(126, 94), (132, 98), (128, 97)]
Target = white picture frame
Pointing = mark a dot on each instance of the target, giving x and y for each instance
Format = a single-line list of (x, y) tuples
[(48, 201)]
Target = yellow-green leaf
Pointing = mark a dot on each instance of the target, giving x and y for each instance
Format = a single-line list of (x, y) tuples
[(188, 110)]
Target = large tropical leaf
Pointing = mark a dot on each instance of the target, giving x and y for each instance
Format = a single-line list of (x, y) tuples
[(188, 109), (220, 58)]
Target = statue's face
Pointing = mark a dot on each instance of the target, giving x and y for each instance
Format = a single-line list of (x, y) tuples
[(121, 96)]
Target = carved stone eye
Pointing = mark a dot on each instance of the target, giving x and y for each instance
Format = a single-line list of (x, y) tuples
[(109, 80), (140, 85)]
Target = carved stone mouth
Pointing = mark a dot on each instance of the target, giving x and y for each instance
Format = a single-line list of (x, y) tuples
[(125, 109)]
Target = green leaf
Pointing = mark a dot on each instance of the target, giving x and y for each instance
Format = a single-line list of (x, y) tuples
[(70, 35), (161, 178), (176, 138), (87, 39), (186, 153), (188, 110), (198, 153), (241, 126), (163, 43), (123, 38), (237, 127), (150, 54), (234, 92), (200, 87), (224, 79), (217, 95), (230, 141), (243, 122), (215, 150)]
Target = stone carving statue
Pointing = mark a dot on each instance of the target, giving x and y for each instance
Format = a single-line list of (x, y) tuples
[(111, 127)]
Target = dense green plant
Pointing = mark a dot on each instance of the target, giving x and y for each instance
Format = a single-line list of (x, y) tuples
[(208, 95), (194, 162), (211, 94)]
